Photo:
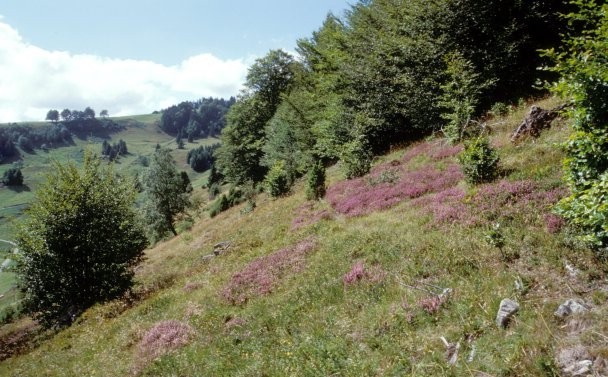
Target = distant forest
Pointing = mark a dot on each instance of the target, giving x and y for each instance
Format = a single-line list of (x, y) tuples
[(200, 119), (203, 118), (64, 126)]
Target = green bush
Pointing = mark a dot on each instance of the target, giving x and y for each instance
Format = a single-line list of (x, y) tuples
[(79, 243), (214, 190), (13, 177), (583, 72), (479, 161), (587, 211), (500, 109), (459, 95), (315, 182), (356, 158), (184, 225), (235, 196), (276, 181), (220, 205)]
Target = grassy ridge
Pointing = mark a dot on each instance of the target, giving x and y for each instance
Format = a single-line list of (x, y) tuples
[(360, 301)]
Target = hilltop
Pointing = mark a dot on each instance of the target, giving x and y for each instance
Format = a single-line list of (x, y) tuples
[(354, 284)]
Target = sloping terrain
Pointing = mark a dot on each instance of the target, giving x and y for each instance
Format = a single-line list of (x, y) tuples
[(141, 134), (395, 273)]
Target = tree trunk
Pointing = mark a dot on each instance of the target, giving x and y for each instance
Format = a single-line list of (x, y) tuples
[(172, 229), (169, 220)]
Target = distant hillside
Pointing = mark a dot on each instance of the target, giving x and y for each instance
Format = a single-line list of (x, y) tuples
[(370, 281), (141, 134)]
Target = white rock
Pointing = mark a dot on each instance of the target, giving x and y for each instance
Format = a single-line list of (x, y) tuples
[(570, 307), (581, 368), (506, 310), (572, 271)]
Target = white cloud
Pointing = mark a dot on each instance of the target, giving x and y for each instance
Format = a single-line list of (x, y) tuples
[(34, 80)]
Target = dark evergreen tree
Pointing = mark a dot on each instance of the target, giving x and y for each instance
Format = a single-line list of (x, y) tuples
[(12, 177), (215, 176), (186, 184), (315, 182), (201, 158), (179, 141), (115, 150)]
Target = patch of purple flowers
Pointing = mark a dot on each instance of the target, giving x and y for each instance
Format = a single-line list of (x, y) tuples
[(554, 223), (307, 215), (431, 304), (437, 150), (262, 275), (164, 337), (492, 202), (445, 151), (358, 197), (510, 199), (446, 206), (359, 273)]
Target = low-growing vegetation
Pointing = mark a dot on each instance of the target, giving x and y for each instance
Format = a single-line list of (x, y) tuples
[(425, 240), (303, 289)]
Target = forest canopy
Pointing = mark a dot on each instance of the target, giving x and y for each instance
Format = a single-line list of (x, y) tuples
[(377, 77)]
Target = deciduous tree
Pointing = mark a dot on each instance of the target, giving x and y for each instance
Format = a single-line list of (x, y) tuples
[(165, 194), (52, 115), (80, 241)]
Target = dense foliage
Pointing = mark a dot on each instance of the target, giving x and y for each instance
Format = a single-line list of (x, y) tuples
[(479, 161), (80, 241), (201, 158), (315, 182), (459, 96), (12, 177), (582, 65), (240, 156), (30, 138), (203, 118), (112, 151), (63, 126), (388, 72), (276, 180), (84, 123)]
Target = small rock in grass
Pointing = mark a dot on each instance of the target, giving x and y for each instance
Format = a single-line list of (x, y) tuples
[(570, 307), (506, 310), (581, 368), (572, 271)]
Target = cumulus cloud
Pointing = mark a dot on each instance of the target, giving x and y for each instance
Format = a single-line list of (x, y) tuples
[(34, 80)]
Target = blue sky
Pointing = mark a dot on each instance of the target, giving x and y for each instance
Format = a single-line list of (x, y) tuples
[(134, 56)]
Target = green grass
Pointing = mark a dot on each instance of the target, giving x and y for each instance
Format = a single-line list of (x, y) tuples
[(311, 323)]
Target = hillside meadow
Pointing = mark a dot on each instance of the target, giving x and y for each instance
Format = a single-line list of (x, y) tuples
[(141, 133), (385, 276)]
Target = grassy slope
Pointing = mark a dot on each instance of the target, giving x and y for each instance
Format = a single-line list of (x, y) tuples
[(141, 135), (312, 323)]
